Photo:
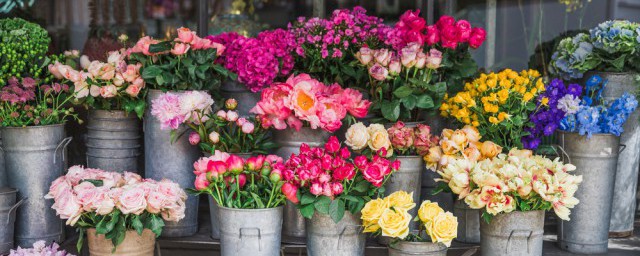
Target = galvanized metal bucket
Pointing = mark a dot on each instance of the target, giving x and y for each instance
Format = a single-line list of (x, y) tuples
[(403, 248), (327, 238), (595, 159), (3, 174), (429, 185), (514, 233), (113, 140), (289, 140), (250, 231), (624, 202), (133, 244), (238, 91), (8, 207), (408, 179), (173, 161), (468, 223), (34, 158)]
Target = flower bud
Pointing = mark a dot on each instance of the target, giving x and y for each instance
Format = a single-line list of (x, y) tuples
[(214, 137), (194, 138), (231, 104)]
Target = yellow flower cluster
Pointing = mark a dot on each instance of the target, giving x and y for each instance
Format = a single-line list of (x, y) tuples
[(495, 184), (390, 216), (459, 144), (493, 98)]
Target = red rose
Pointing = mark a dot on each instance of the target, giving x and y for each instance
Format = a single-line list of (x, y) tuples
[(411, 20), (345, 172), (478, 35), (445, 21), (374, 174), (464, 30), (433, 35), (449, 37)]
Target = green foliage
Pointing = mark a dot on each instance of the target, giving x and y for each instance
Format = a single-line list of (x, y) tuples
[(23, 48)]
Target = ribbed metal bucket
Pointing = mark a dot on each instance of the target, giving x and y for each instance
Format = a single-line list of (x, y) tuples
[(173, 161), (624, 203), (3, 174), (468, 223), (595, 159), (254, 232), (133, 244), (402, 248), (289, 140), (34, 158), (8, 207), (113, 141), (406, 179), (514, 233), (429, 185), (246, 99), (327, 238)]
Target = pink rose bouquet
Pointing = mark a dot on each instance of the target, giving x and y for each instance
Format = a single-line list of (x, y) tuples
[(223, 130), (185, 63), (323, 178), (40, 248), (93, 198), (111, 85), (233, 182), (302, 98), (411, 140)]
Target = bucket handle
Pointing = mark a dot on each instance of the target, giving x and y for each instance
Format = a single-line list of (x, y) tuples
[(259, 238), (622, 148), (63, 144), (340, 238), (515, 231), (564, 152), (15, 208)]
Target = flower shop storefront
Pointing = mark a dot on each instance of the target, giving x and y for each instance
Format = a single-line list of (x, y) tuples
[(329, 128)]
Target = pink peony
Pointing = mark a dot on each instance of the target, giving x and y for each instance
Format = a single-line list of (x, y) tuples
[(291, 192), (235, 164), (201, 182), (194, 138), (166, 109)]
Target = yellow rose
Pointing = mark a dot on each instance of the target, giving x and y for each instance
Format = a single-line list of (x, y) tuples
[(395, 224), (490, 149), (373, 209), (433, 157), (443, 228), (370, 226), (378, 138), (400, 200), (449, 147), (429, 210), (459, 137), (357, 136)]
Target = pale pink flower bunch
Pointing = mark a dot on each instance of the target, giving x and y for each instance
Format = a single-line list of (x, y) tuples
[(107, 80), (84, 190), (412, 140), (386, 64), (302, 98), (40, 248), (191, 107), (187, 40)]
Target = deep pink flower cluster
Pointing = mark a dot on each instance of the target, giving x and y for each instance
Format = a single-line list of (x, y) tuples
[(258, 61), (229, 168), (447, 32), (324, 170), (19, 92), (332, 38), (302, 98)]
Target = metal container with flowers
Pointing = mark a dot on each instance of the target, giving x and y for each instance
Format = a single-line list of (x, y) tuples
[(390, 217), (119, 213), (244, 190), (329, 188)]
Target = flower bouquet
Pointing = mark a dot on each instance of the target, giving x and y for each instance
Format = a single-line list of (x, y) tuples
[(459, 144), (40, 249), (302, 98), (184, 63), (108, 205), (224, 130), (499, 106), (368, 140), (390, 217)]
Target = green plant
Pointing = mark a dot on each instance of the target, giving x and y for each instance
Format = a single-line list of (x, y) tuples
[(23, 48)]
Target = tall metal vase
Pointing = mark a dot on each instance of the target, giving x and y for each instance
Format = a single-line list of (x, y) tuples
[(514, 233), (173, 161), (289, 140), (624, 195), (468, 223), (327, 238), (113, 140), (246, 98), (595, 159), (34, 158), (261, 236)]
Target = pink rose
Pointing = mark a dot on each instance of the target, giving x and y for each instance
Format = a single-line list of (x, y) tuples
[(434, 59), (171, 190), (401, 137), (58, 186), (449, 37), (108, 91), (86, 194), (185, 35), (478, 35), (155, 202), (445, 21), (219, 47), (337, 188), (132, 200), (104, 204), (131, 72), (464, 30), (131, 178), (383, 56), (173, 211), (364, 55), (53, 69), (412, 20), (346, 171), (315, 189), (291, 192), (67, 207), (94, 68), (133, 90), (201, 43), (409, 54), (180, 49), (374, 174), (378, 72), (107, 72), (327, 191), (395, 67)]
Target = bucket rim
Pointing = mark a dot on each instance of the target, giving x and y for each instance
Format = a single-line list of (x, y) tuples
[(610, 73), (250, 210), (8, 190), (595, 134), (33, 126)]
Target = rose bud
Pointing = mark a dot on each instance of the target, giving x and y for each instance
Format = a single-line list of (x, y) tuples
[(231, 104), (275, 176), (221, 114), (214, 137), (266, 169), (194, 138), (255, 163), (235, 164)]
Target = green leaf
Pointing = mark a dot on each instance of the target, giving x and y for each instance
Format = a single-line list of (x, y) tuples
[(307, 199), (97, 183), (362, 186), (390, 110), (403, 91), (322, 204), (486, 217), (81, 233), (336, 210), (409, 102), (156, 224), (137, 224), (151, 72), (160, 47), (307, 211), (425, 102), (257, 200)]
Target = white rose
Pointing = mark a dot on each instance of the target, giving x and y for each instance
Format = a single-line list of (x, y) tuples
[(357, 136)]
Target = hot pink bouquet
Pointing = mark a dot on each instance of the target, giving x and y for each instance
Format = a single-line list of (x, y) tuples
[(233, 182), (92, 198), (323, 178), (302, 98)]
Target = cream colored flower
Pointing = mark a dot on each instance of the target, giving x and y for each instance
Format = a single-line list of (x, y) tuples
[(443, 228), (378, 138), (401, 200), (472, 133), (357, 136), (395, 223), (449, 147), (459, 137), (428, 211), (490, 149)]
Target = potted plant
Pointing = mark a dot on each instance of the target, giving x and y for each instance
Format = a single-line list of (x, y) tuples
[(244, 190), (513, 190), (185, 63), (330, 188), (590, 137), (390, 217), (113, 91), (609, 50), (116, 212)]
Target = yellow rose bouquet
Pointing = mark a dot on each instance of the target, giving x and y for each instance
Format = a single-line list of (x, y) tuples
[(498, 104), (390, 217), (517, 181)]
